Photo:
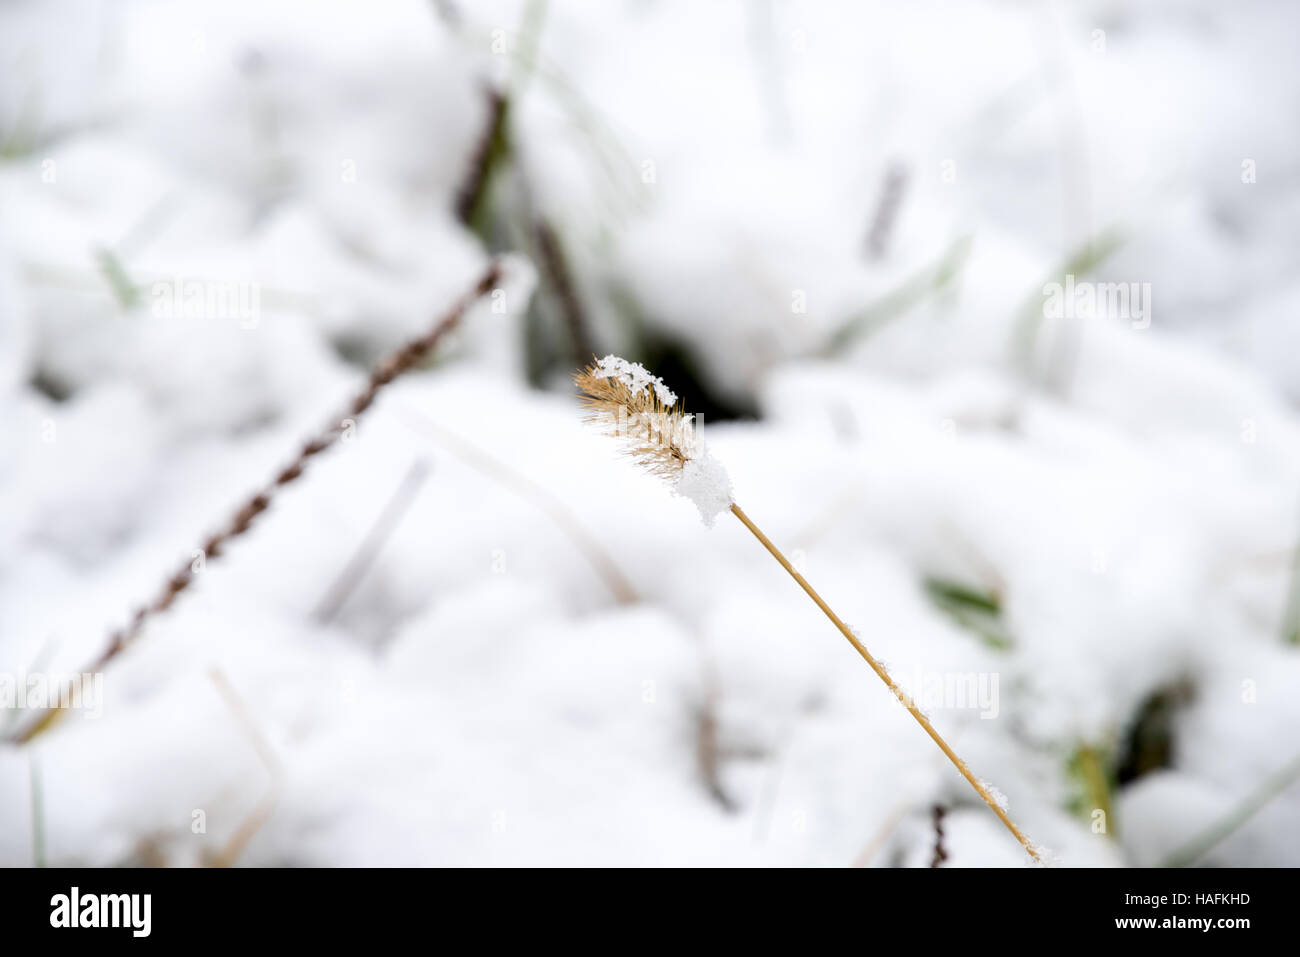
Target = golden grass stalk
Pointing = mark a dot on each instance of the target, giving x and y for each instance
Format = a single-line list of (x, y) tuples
[(636, 407)]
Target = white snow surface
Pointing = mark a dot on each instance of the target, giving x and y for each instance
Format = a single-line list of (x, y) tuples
[(483, 697)]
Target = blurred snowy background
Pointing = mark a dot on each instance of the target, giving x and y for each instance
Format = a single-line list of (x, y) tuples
[(471, 635)]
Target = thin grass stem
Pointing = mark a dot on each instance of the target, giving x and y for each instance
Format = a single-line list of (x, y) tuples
[(901, 695)]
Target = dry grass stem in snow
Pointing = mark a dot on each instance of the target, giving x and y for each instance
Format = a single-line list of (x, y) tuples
[(407, 357), (638, 409)]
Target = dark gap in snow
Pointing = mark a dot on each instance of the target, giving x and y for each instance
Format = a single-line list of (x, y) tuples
[(1148, 743), (50, 385), (674, 364), (356, 350)]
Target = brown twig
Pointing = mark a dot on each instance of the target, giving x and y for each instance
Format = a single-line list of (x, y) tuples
[(940, 853), (409, 356), (555, 268), (491, 148), (708, 748), (882, 223)]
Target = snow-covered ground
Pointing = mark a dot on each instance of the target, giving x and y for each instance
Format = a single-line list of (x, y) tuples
[(842, 219)]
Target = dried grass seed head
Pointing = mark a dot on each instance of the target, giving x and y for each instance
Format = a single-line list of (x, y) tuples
[(629, 403)]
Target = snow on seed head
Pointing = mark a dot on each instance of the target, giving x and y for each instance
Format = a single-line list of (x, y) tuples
[(635, 376), (637, 408)]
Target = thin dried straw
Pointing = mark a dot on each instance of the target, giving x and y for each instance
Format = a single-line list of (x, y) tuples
[(898, 692)]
